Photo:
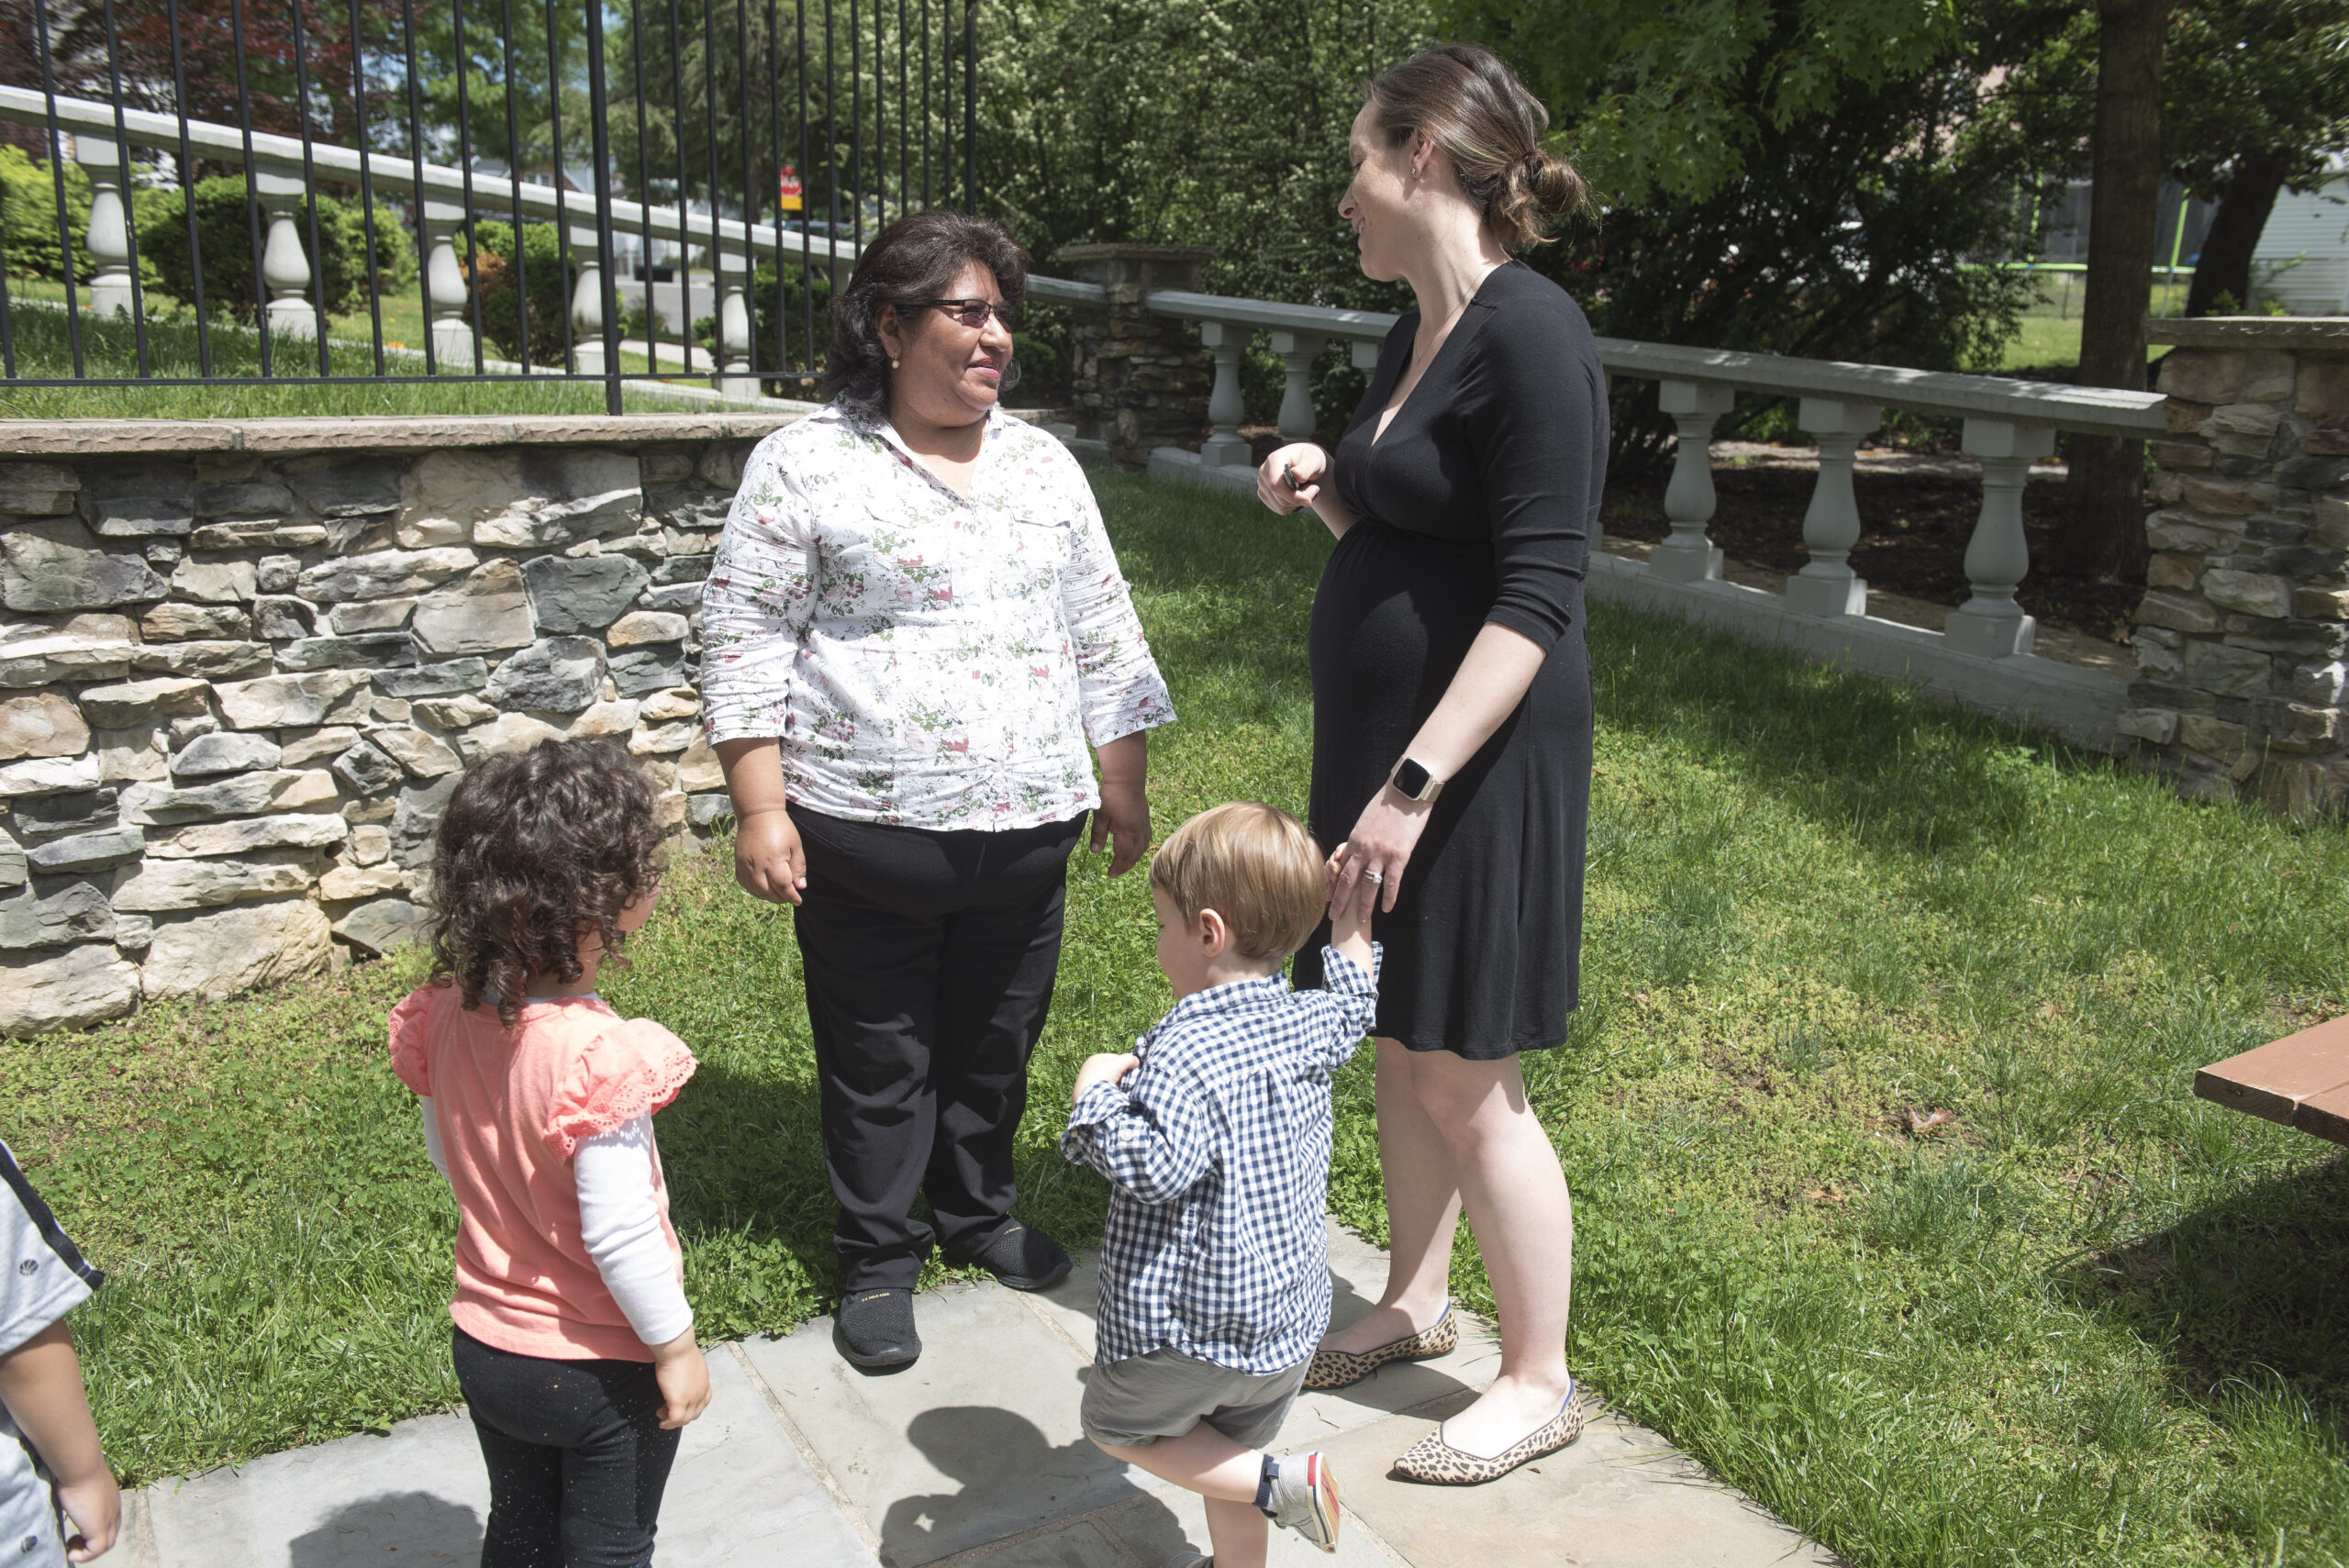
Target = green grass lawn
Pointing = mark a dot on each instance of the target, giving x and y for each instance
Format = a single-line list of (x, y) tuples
[(1894, 1203), (2048, 335), (44, 348)]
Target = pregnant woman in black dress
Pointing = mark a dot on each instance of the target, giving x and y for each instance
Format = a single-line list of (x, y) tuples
[(1453, 722)]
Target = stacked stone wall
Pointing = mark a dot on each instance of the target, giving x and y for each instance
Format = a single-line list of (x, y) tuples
[(2242, 634), (239, 679), (1141, 381)]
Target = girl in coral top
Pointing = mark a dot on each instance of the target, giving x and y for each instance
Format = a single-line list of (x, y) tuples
[(574, 1342)]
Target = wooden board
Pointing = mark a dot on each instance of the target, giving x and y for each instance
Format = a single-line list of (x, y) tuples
[(2325, 1115), (2276, 1079)]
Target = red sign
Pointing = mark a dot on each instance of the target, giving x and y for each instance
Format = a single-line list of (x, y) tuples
[(788, 189)]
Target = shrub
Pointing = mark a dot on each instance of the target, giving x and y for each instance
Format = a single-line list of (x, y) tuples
[(498, 282), (28, 216), (224, 230)]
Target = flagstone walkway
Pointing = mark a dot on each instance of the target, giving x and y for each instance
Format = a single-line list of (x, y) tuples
[(974, 1455)]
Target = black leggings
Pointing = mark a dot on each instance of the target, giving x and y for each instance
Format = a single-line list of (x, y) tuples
[(577, 1459)]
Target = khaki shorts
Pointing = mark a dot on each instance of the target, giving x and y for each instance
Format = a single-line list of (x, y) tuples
[(1134, 1402)]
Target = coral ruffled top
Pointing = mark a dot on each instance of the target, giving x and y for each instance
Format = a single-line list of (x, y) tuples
[(512, 1107)]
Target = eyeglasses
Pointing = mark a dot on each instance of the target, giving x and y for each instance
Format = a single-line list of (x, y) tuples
[(974, 312)]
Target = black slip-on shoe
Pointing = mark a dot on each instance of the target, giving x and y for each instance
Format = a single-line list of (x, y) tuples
[(874, 1329), (1023, 1259)]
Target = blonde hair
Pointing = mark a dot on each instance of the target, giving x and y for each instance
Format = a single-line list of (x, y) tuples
[(1466, 102), (1251, 863)]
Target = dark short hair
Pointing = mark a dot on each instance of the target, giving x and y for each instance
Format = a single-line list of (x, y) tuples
[(533, 846), (915, 258)]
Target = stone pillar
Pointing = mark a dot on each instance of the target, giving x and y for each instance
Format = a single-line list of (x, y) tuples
[(1991, 624), (1141, 381), (1831, 527), (735, 379), (1223, 448), (2245, 627), (587, 304), (285, 268), (453, 333), (1298, 351), (1685, 555), (109, 238)]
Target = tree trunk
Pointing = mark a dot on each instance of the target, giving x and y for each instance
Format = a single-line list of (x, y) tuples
[(2224, 265), (2103, 533)]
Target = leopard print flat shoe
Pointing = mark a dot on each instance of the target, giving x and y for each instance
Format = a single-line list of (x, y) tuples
[(1438, 1464), (1337, 1369)]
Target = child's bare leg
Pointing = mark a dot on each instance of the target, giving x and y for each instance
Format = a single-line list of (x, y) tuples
[(1204, 1460)]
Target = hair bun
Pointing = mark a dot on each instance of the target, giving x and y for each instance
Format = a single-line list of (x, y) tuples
[(1551, 182)]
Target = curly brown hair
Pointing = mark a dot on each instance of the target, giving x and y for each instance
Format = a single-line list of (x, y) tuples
[(534, 848)]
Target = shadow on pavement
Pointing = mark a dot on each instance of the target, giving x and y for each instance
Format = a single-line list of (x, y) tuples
[(1011, 1476), (407, 1527)]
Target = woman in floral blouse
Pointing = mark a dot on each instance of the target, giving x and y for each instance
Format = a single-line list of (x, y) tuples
[(914, 626)]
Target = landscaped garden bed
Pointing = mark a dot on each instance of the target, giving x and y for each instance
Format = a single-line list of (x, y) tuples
[(1894, 1204)]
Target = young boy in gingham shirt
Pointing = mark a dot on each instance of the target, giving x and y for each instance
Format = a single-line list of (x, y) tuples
[(1215, 1136)]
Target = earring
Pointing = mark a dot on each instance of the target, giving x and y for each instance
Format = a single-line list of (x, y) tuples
[(893, 364)]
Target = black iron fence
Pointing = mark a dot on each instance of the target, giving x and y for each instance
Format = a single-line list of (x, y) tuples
[(403, 190)]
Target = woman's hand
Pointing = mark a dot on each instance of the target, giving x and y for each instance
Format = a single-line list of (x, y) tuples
[(1124, 800), (1312, 467), (769, 861), (1367, 871)]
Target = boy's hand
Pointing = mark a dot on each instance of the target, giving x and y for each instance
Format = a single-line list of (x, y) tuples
[(96, 1507), (1350, 926), (684, 1378), (1103, 1067)]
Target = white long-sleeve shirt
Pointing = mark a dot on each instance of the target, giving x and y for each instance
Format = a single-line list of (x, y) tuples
[(620, 1222), (925, 658)]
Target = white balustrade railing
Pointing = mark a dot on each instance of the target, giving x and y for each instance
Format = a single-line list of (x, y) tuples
[(283, 164), (2007, 424)]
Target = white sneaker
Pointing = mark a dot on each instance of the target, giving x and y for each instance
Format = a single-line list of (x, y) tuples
[(1305, 1499)]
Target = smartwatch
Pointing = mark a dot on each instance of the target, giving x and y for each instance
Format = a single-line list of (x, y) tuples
[(1413, 782)]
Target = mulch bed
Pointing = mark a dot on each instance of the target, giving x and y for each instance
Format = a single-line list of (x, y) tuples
[(1913, 533)]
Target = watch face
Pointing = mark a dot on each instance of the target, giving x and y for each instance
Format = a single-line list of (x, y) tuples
[(1411, 778)]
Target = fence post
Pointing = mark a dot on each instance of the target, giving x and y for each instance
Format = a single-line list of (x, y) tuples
[(285, 270), (109, 238), (1991, 624), (1685, 555), (1827, 585), (452, 335), (1140, 380)]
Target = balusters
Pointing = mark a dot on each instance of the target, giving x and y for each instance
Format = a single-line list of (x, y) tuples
[(285, 270), (1223, 448), (1298, 351), (452, 335), (587, 304), (1827, 585), (109, 238), (1990, 623), (734, 328), (1685, 555)]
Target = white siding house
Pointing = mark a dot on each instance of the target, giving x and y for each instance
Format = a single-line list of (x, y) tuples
[(2302, 259)]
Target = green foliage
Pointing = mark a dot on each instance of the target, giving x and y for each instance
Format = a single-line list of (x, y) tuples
[(805, 298), (225, 225), (29, 215), (499, 284)]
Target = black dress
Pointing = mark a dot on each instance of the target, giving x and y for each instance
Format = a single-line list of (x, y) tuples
[(1476, 505)]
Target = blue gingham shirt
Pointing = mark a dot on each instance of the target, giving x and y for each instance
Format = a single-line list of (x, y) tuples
[(1217, 1148)]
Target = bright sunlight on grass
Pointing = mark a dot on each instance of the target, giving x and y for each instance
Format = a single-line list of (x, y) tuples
[(1894, 1203)]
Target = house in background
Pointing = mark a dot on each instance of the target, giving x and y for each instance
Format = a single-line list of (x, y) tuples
[(2302, 259)]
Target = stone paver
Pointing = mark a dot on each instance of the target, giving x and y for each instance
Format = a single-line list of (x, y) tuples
[(974, 1454)]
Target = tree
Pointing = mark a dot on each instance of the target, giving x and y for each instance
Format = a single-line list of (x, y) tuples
[(2253, 100)]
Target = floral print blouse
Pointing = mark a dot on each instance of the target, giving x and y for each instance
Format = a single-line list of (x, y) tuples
[(926, 658)]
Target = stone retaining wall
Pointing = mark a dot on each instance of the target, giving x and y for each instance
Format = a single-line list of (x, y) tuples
[(2243, 633), (242, 666)]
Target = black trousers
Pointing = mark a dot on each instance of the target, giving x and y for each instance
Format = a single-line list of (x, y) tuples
[(929, 959), (577, 1459)]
